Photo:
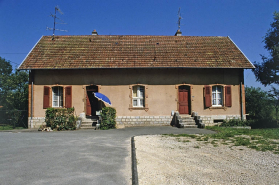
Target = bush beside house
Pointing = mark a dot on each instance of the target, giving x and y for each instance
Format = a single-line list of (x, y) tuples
[(60, 119), (108, 118)]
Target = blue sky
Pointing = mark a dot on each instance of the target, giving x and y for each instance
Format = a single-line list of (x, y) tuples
[(246, 22)]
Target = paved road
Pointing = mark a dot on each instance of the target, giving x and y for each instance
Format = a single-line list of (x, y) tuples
[(72, 157)]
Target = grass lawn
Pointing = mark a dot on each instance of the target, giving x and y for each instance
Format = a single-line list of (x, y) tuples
[(258, 139)]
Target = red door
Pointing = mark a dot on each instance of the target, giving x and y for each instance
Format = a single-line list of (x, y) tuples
[(92, 104), (183, 101), (88, 105)]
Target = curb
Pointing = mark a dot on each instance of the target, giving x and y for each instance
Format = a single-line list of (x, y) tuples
[(134, 163)]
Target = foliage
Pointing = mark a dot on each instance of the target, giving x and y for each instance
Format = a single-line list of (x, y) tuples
[(235, 122), (267, 71), (60, 119), (259, 107), (108, 118), (274, 99), (13, 87), (13, 118)]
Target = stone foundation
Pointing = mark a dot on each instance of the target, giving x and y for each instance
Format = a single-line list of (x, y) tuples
[(209, 120), (36, 122), (132, 121)]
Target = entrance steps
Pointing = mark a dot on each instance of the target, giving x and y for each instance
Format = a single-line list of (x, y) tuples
[(186, 121), (89, 122)]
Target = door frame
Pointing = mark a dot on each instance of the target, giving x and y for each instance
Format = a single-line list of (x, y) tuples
[(190, 87), (85, 95)]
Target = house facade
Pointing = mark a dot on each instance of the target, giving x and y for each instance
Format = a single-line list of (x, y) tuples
[(147, 78)]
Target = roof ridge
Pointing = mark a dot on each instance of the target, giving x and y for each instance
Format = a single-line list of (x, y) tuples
[(132, 36)]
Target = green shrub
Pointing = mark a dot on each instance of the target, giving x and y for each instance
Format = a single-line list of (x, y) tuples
[(235, 122), (60, 119), (263, 123), (108, 118)]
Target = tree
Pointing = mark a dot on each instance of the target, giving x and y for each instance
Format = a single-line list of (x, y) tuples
[(267, 72), (274, 99), (260, 108), (257, 103), (13, 87)]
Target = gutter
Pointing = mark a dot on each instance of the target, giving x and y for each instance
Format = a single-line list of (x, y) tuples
[(141, 68)]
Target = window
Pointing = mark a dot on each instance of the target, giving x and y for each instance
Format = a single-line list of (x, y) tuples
[(57, 96), (138, 96), (217, 96)]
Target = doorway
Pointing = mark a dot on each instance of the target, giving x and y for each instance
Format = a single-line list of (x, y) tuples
[(92, 103), (184, 101)]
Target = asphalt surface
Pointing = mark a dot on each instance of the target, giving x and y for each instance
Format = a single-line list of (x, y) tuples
[(72, 157)]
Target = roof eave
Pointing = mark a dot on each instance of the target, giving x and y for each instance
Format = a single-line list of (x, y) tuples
[(140, 68), (242, 54), (28, 54)]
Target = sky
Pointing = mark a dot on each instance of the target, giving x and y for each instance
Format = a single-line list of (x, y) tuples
[(24, 22)]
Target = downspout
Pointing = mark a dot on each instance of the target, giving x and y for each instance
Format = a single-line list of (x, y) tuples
[(241, 95), (241, 102), (31, 99)]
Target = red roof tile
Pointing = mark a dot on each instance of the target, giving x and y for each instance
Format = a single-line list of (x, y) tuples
[(92, 51)]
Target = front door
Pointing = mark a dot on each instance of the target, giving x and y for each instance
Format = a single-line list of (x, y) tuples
[(184, 92), (92, 103)]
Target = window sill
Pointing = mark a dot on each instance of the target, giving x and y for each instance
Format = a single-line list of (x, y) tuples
[(139, 108), (221, 107)]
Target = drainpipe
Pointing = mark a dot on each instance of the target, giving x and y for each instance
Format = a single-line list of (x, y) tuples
[(31, 108), (241, 102), (32, 100)]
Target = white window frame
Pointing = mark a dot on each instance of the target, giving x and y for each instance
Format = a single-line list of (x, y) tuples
[(59, 96), (216, 92), (138, 96)]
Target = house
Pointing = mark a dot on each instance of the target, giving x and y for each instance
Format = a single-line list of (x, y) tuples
[(145, 77)]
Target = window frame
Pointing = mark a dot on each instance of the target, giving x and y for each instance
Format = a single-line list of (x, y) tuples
[(60, 97), (216, 96), (144, 98), (139, 96)]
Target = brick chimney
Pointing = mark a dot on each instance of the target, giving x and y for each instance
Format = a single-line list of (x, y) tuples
[(178, 33), (94, 32)]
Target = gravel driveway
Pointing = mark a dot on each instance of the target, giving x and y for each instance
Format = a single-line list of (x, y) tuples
[(164, 160)]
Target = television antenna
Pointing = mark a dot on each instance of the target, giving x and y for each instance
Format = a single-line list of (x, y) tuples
[(57, 9), (179, 18)]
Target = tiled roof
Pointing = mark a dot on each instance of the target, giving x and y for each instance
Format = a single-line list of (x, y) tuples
[(103, 51)]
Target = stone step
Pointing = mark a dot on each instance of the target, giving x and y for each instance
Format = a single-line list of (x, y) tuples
[(189, 126), (185, 116), (187, 123), (88, 120), (186, 119), (87, 127), (89, 123)]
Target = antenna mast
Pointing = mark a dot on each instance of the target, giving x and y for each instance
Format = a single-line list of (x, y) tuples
[(54, 23), (179, 18)]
